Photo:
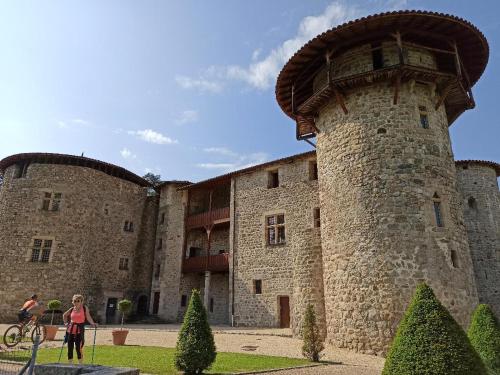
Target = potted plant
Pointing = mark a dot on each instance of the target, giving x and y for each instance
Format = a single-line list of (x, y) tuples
[(119, 336), (51, 330)]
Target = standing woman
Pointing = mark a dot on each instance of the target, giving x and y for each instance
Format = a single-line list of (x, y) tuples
[(75, 318)]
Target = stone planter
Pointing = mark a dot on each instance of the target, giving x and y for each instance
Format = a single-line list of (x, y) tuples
[(119, 337), (50, 332)]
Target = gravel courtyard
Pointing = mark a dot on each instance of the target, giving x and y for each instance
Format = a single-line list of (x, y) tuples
[(274, 342)]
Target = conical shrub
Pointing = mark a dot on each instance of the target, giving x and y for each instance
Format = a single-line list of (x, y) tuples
[(195, 349), (430, 342), (313, 343), (484, 335)]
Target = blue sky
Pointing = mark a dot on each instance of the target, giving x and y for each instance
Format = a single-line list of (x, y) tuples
[(185, 89)]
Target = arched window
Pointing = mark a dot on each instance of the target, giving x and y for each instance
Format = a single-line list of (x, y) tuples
[(472, 203), (436, 202)]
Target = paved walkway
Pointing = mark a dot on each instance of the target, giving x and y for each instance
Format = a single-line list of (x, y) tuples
[(266, 341)]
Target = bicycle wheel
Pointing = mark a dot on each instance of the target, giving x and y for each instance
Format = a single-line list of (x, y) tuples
[(38, 330), (12, 336)]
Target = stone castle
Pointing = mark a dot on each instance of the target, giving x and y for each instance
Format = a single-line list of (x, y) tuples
[(351, 227)]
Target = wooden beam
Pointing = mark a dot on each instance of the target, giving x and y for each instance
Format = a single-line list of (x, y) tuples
[(340, 99), (400, 48), (457, 61), (444, 94), (439, 50)]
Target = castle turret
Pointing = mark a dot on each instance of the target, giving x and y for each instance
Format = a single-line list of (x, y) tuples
[(477, 182), (379, 94)]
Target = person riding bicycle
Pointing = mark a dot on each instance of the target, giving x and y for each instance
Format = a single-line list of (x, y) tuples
[(75, 319), (24, 313)]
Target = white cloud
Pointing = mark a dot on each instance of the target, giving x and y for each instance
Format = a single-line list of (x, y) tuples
[(201, 84), (187, 116), (261, 74), (127, 154), (80, 121), (65, 124), (151, 136), (238, 161)]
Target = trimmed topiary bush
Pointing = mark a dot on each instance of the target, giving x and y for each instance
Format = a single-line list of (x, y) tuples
[(430, 342), (313, 343), (53, 305), (125, 307), (484, 335), (195, 349)]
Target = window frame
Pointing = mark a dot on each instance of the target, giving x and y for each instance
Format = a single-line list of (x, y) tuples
[(273, 179), (257, 286), (423, 115), (123, 264), (437, 209), (43, 252), (51, 201), (278, 227), (313, 170), (316, 217)]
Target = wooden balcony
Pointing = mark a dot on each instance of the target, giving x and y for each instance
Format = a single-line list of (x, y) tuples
[(216, 263), (209, 218)]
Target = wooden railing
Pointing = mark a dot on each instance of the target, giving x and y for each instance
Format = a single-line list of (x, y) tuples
[(208, 218), (216, 263)]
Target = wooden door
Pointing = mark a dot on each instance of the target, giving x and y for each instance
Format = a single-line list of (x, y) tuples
[(111, 310), (284, 312), (156, 302)]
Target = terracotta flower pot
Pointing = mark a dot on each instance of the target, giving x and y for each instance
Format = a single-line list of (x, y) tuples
[(119, 337), (50, 332)]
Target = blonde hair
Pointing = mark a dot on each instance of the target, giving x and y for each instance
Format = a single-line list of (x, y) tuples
[(77, 296)]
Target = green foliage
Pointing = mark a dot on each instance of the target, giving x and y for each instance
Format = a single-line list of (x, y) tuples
[(195, 349), (430, 342), (484, 335), (124, 306), (313, 343), (53, 305)]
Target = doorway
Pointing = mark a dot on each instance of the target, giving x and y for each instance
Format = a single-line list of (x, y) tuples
[(156, 303), (111, 310), (284, 306), (142, 305)]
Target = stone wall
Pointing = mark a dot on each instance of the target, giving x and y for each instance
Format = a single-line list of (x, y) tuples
[(481, 201), (254, 259), (87, 233), (379, 170), (171, 231)]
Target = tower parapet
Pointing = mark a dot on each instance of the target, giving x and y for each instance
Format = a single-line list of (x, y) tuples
[(379, 94)]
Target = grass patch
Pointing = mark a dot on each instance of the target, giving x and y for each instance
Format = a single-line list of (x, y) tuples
[(155, 360)]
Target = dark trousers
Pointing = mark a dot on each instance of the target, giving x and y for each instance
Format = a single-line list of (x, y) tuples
[(75, 341)]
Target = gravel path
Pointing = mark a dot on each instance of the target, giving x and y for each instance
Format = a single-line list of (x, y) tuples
[(274, 342)]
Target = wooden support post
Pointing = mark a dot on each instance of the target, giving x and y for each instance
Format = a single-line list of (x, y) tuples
[(340, 99), (444, 94), (293, 99), (457, 61), (328, 73), (209, 231), (400, 48), (397, 86)]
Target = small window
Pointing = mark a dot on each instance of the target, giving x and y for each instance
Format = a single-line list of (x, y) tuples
[(257, 284), (377, 56), (123, 264), (454, 259), (51, 201), (21, 170), (273, 179), (472, 203), (211, 305), (222, 251), (437, 210), (162, 218), (129, 226), (160, 243), (313, 170), (40, 251), (183, 300), (316, 216), (424, 119), (275, 229)]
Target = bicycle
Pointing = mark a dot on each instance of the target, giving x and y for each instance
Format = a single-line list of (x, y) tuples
[(17, 333)]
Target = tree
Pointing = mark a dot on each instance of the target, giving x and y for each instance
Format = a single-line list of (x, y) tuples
[(313, 343), (484, 335), (195, 350), (430, 342), (124, 306), (154, 180), (53, 305)]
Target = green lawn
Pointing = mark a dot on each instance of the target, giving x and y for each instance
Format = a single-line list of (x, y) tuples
[(154, 360)]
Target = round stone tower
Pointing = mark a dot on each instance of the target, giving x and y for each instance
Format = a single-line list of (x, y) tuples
[(65, 228), (477, 181), (379, 94)]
